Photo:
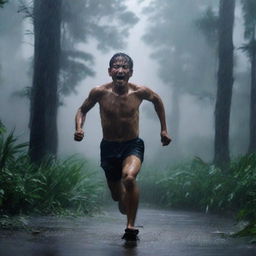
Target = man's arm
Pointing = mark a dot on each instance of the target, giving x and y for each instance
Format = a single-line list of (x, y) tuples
[(153, 97), (82, 111)]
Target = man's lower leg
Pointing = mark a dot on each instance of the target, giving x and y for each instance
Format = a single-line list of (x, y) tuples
[(131, 200), (122, 204)]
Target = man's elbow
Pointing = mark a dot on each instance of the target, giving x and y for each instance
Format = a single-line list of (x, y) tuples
[(82, 110), (157, 102)]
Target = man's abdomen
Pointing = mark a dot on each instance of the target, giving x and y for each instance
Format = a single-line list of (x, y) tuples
[(120, 130)]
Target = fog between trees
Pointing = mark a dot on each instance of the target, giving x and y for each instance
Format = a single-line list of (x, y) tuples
[(171, 53)]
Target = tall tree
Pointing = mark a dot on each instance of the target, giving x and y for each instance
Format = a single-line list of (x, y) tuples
[(225, 82), (47, 27), (249, 13)]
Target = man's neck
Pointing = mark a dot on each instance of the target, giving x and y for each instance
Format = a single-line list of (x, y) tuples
[(120, 89)]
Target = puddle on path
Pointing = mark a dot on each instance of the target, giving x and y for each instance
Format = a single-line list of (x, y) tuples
[(167, 233)]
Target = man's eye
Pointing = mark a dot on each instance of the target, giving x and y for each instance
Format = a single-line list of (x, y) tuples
[(117, 66)]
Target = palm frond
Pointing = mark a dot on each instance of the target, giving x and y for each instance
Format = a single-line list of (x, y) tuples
[(9, 148), (2, 128)]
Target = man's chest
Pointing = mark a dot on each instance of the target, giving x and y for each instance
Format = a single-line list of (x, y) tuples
[(119, 106)]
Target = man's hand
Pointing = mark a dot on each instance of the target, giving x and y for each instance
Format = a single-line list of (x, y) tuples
[(165, 139), (79, 135)]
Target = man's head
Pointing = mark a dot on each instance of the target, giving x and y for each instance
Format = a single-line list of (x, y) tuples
[(125, 56), (120, 69)]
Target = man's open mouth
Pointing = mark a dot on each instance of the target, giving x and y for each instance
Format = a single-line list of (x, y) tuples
[(120, 77)]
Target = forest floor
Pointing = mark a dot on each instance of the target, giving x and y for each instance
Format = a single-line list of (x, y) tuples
[(162, 232)]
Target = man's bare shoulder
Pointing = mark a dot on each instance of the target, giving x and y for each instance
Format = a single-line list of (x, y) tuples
[(136, 87), (141, 90), (100, 90)]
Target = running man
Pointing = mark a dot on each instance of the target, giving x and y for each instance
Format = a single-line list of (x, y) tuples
[(121, 148)]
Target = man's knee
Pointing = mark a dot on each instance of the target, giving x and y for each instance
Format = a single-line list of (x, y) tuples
[(129, 181)]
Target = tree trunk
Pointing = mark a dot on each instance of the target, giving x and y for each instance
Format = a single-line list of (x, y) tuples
[(225, 82), (252, 141), (44, 102)]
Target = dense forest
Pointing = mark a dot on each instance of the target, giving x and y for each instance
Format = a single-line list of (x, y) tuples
[(204, 56)]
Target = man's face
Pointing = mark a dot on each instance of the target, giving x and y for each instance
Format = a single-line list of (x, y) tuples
[(120, 71)]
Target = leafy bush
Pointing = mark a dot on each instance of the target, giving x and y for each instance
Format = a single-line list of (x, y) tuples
[(244, 173), (54, 187), (202, 186)]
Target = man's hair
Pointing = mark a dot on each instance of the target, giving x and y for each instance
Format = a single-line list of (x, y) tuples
[(125, 56)]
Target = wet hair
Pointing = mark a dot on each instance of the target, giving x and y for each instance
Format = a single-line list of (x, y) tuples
[(125, 56)]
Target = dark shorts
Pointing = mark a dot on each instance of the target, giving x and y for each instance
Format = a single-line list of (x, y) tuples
[(113, 153)]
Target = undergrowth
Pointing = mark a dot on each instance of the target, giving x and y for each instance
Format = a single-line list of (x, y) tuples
[(201, 186), (69, 186)]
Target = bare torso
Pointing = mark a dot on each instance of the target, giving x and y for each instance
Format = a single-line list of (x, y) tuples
[(119, 110), (119, 113)]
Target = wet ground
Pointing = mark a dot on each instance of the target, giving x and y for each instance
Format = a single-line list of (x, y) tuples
[(176, 233)]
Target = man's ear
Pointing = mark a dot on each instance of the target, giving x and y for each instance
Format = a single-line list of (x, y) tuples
[(131, 72), (109, 71)]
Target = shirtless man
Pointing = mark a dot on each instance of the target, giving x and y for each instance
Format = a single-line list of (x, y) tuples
[(121, 148)]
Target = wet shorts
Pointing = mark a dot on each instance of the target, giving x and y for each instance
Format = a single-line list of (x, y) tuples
[(113, 153)]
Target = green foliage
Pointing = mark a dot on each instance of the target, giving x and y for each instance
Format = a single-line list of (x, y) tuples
[(248, 230), (195, 185), (54, 187), (2, 2), (2, 127), (13, 222), (249, 15), (249, 48), (74, 68), (106, 21), (244, 172), (208, 25), (202, 186), (8, 149)]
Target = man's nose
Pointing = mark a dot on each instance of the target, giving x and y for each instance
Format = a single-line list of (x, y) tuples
[(120, 69)]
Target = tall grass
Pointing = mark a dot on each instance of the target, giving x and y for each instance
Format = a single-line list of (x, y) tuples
[(201, 186), (54, 187)]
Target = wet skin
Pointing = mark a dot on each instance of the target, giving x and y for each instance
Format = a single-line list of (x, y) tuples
[(119, 103)]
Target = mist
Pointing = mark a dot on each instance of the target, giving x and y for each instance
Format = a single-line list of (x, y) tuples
[(196, 124)]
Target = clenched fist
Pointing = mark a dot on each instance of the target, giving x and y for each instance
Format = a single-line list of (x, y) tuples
[(79, 135), (165, 138)]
